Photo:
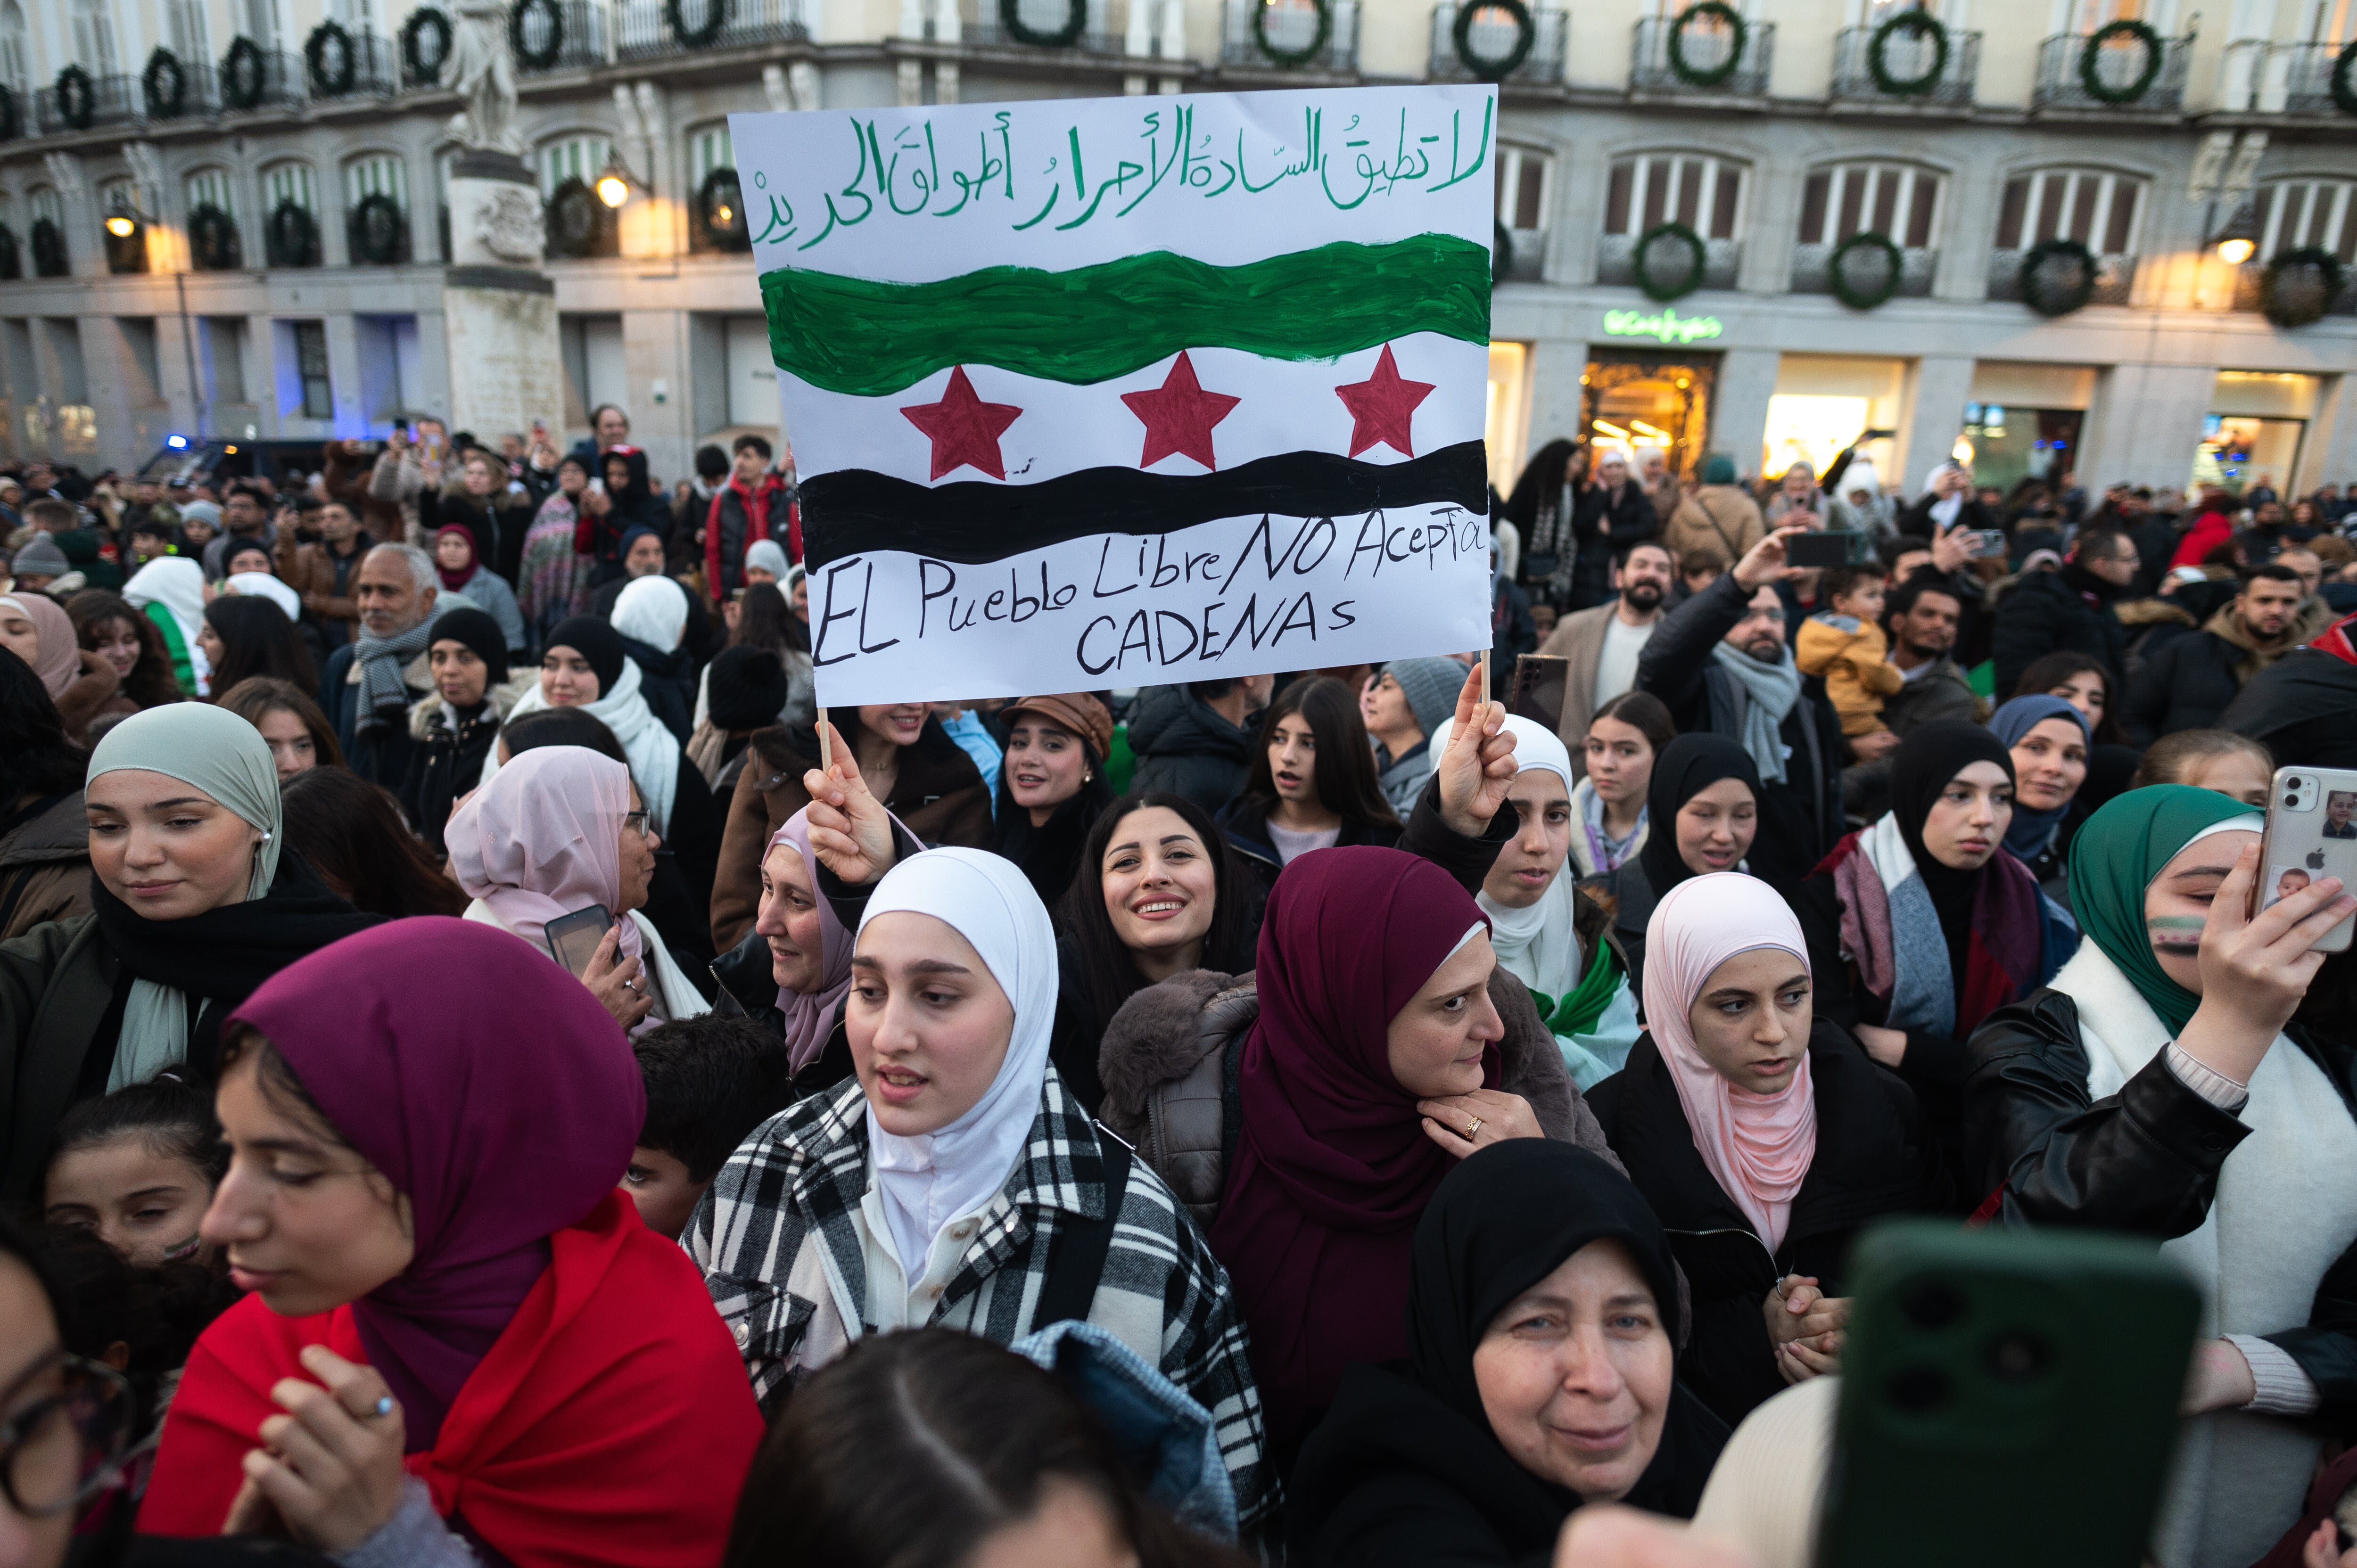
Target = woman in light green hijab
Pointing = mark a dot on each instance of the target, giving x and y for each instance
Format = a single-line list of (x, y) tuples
[(2158, 1087), (194, 905)]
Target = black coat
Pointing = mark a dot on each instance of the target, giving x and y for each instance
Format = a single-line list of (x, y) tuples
[(2046, 612), (2144, 1161), (444, 766), (1244, 824), (381, 755), (1186, 747), (1605, 525), (1873, 1158), (747, 988), (2185, 684), (1395, 1478), (2300, 706), (1800, 819)]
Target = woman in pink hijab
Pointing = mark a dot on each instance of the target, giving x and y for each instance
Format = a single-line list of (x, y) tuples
[(1764, 1137), (560, 830), (35, 629)]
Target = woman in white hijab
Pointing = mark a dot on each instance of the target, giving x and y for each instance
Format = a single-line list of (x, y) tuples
[(262, 585), (956, 1182), (562, 829), (170, 591), (651, 615), (194, 904), (1537, 914)]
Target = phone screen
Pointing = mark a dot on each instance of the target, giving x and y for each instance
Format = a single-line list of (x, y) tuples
[(1817, 550), (572, 938)]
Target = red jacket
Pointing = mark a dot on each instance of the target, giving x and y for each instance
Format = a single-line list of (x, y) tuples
[(751, 518), (2208, 530), (611, 1424)]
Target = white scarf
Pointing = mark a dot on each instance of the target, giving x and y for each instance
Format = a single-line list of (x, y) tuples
[(928, 1180), (1537, 943), (652, 749), (2286, 1210)]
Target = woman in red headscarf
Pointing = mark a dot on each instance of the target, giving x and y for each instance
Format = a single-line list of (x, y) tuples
[(458, 1332)]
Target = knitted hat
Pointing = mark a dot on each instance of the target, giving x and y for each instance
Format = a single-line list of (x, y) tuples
[(1432, 686), (477, 631), (746, 689), (1718, 469), (202, 511), (41, 557)]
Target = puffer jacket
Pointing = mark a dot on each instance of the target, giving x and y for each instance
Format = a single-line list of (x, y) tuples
[(44, 863), (1188, 748), (1171, 1057)]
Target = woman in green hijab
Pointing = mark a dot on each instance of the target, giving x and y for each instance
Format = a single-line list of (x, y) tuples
[(2158, 1087), (194, 904)]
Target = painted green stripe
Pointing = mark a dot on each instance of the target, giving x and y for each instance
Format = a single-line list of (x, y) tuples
[(868, 339)]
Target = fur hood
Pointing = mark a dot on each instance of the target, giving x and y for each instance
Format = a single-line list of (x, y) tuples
[(425, 712)]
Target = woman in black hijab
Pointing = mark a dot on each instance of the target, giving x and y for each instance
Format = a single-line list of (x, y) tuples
[(1542, 1300), (1919, 926), (1702, 811)]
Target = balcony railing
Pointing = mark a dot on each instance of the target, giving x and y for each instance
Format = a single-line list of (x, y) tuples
[(1492, 36), (564, 34), (1616, 260), (1291, 29), (2299, 79), (2063, 67), (1048, 19), (282, 86), (1813, 273), (114, 100), (376, 71), (1706, 51), (1907, 57), (642, 28), (2114, 274)]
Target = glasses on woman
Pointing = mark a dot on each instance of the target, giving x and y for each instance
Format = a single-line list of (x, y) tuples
[(636, 822), (63, 1448)]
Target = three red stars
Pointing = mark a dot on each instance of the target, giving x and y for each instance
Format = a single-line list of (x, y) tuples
[(1178, 416), (1382, 408), (964, 428)]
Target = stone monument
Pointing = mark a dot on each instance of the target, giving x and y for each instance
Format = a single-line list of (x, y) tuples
[(499, 309)]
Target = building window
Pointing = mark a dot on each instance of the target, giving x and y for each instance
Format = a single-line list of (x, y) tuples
[(575, 157), (708, 150), (127, 252), (13, 53), (290, 182), (1898, 201), (290, 216), (49, 257), (212, 187), (184, 22), (1649, 190), (2299, 215), (2095, 207), (311, 365), (1524, 184), (94, 36), (258, 20)]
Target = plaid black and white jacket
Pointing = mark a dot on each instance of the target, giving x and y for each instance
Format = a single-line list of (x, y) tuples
[(778, 1242)]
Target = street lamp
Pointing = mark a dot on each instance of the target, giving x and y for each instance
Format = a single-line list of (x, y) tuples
[(614, 181), (2238, 242), (123, 218)]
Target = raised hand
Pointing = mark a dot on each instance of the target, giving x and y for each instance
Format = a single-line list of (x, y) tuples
[(850, 831), (2255, 968), (1478, 767)]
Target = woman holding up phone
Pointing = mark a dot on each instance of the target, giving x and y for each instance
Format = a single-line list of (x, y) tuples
[(560, 830), (2160, 1087)]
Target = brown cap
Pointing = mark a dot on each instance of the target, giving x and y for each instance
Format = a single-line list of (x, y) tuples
[(1079, 711)]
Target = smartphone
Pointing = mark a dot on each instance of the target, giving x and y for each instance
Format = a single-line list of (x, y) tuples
[(1982, 542), (2311, 832), (572, 938), (1818, 550), (2035, 1371), (1540, 681)]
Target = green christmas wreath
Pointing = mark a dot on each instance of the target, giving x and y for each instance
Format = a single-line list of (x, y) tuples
[(164, 85), (1290, 59), (1837, 270), (1076, 18), (292, 237), (1527, 36), (715, 17), (244, 74), (330, 75), (1922, 25), (2047, 289), (421, 65), (1701, 11), (212, 239), (1697, 257), (2287, 304), (76, 103), (539, 58), (2090, 56), (2343, 81)]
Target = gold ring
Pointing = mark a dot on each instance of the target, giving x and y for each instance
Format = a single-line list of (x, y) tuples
[(1471, 1133)]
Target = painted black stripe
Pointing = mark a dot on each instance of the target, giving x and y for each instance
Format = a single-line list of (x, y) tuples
[(855, 510)]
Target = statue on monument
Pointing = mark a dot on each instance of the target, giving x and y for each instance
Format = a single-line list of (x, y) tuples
[(485, 78)]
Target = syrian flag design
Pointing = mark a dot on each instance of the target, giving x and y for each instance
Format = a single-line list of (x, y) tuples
[(1232, 424)]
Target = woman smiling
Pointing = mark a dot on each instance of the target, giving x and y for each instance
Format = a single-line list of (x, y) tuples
[(1051, 785), (2051, 743)]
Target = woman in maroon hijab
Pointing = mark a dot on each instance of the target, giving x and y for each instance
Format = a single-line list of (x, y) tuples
[(1373, 1069), (458, 1325)]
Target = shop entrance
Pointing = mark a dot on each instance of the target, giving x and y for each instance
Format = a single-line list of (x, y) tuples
[(2010, 445), (2236, 449), (1645, 403)]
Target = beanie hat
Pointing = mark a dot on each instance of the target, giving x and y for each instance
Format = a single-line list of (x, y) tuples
[(478, 631), (41, 557), (746, 689), (1718, 469), (1431, 685), (202, 511)]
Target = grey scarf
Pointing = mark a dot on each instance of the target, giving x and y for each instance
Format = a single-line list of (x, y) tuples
[(384, 696), (1772, 688)]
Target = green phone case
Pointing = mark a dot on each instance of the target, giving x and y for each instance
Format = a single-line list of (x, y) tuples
[(2008, 1397)]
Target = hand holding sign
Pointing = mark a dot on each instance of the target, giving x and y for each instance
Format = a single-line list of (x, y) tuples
[(1477, 767), (850, 831)]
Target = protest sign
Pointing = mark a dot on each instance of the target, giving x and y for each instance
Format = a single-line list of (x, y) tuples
[(1125, 392)]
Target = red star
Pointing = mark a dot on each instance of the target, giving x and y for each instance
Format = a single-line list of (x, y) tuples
[(1178, 416), (964, 428), (1382, 407)]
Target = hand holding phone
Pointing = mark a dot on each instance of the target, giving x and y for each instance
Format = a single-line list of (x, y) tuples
[(2311, 833), (1815, 552)]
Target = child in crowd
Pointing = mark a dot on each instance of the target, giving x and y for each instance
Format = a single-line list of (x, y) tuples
[(1844, 644), (710, 1081), (138, 1168)]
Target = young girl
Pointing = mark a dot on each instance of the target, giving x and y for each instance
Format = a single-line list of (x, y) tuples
[(1607, 805), (2211, 760), (1312, 784), (138, 1168)]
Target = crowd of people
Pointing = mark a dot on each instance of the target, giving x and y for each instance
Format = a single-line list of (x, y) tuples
[(491, 1073)]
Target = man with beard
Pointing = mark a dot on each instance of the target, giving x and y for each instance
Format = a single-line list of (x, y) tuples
[(1719, 663), (1921, 618), (1602, 644), (2190, 682)]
